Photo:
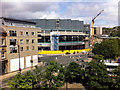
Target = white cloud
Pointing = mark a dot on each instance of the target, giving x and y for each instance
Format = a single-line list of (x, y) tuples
[(87, 11), (51, 15), (56, 0), (75, 10), (29, 10)]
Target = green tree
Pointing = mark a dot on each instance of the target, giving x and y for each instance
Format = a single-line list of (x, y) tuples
[(53, 76), (117, 72), (15, 82), (119, 46), (38, 74), (74, 72), (116, 34), (98, 57), (22, 81), (96, 75), (108, 48)]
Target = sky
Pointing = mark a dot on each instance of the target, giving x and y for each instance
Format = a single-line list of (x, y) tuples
[(83, 10)]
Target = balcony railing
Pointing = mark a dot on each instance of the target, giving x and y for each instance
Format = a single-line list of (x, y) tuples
[(62, 43)]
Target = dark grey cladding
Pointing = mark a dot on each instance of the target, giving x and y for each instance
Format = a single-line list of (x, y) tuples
[(51, 24), (62, 24)]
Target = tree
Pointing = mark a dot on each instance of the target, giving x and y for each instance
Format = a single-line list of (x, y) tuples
[(98, 57), (108, 48), (116, 34), (96, 49), (74, 72), (96, 76), (119, 46), (38, 74), (22, 81), (117, 72), (53, 75), (15, 82)]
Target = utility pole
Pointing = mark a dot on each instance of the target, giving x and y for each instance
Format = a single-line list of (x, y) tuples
[(93, 20)]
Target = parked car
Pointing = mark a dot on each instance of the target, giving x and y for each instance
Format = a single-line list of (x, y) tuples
[(67, 53)]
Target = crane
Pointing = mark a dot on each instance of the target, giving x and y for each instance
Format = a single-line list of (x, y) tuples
[(93, 20)]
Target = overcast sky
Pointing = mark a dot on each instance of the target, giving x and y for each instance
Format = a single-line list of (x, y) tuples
[(83, 10)]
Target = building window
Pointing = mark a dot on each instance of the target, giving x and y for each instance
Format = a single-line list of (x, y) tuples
[(13, 49), (21, 48), (21, 41), (27, 41), (27, 48), (2, 41), (33, 33), (13, 33), (13, 42), (40, 48), (27, 33), (2, 55), (33, 40), (21, 32), (32, 47)]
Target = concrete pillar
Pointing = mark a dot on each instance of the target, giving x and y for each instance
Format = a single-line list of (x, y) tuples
[(8, 66)]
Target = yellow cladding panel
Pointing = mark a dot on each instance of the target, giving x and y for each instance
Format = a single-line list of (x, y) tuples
[(64, 51)]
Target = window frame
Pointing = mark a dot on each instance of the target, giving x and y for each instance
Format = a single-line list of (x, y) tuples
[(27, 48), (21, 48), (15, 41), (27, 40), (33, 48), (3, 41), (27, 34), (33, 40), (13, 33), (21, 33), (21, 42), (13, 48), (33, 33), (2, 55)]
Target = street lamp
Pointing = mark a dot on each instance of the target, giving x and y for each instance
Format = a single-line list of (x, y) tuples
[(19, 55)]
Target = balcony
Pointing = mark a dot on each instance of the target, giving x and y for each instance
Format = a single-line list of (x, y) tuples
[(62, 43), (44, 44), (71, 43)]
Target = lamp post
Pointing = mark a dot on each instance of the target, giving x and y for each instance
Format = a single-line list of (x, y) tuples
[(19, 56)]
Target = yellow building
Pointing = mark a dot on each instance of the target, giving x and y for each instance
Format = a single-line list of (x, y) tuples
[(21, 44)]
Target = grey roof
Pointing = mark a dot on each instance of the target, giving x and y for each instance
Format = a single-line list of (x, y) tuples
[(5, 18), (2, 31)]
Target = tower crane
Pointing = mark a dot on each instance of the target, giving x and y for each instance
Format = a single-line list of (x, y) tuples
[(93, 20)]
